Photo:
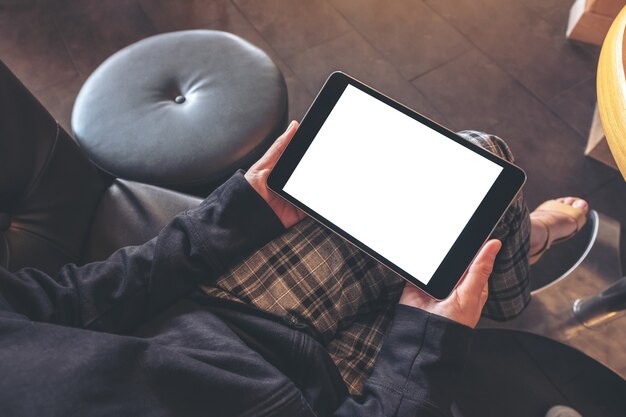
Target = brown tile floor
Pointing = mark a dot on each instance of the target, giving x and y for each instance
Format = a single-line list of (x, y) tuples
[(502, 66)]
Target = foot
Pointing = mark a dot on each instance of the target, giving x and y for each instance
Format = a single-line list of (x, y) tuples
[(548, 226), (562, 411)]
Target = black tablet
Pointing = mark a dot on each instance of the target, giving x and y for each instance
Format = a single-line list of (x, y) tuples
[(409, 192)]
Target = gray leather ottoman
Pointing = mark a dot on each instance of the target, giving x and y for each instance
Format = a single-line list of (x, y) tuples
[(182, 110)]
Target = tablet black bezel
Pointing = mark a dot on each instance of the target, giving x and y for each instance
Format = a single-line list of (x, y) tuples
[(475, 233)]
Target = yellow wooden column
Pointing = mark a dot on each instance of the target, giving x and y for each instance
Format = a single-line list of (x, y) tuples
[(611, 89)]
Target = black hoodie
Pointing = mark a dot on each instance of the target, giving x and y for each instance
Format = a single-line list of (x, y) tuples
[(133, 336)]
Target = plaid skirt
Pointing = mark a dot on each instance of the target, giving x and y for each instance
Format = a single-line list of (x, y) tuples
[(310, 275)]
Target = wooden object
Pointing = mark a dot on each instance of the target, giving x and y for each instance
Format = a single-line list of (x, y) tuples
[(610, 8), (611, 88), (597, 146), (586, 24)]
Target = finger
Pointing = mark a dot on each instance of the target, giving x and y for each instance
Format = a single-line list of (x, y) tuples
[(484, 294), (474, 263), (414, 297), (481, 268), (279, 145)]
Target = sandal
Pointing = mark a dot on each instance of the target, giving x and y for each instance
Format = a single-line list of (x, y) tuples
[(577, 214)]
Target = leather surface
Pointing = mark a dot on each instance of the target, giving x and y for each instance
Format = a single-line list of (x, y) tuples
[(132, 213), (48, 189), (55, 206), (128, 122)]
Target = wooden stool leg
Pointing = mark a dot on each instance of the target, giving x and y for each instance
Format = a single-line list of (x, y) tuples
[(597, 146)]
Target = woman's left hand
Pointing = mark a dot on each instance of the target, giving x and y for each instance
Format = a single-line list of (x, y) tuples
[(258, 173)]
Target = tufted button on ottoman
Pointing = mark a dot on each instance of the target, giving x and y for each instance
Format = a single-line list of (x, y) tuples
[(183, 110)]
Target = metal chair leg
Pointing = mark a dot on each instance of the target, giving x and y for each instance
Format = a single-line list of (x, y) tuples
[(602, 308)]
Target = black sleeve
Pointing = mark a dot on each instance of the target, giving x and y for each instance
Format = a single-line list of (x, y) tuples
[(135, 282), (418, 369)]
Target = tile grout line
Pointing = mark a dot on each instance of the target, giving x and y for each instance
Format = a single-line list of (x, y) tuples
[(519, 83), (236, 6), (560, 95), (578, 84), (454, 58), (600, 186), (385, 59), (360, 33), (282, 57), (540, 16), (56, 84), (332, 38), (67, 49), (145, 15), (362, 36), (485, 53), (411, 79)]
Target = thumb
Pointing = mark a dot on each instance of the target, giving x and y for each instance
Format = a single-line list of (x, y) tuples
[(277, 148), (480, 270)]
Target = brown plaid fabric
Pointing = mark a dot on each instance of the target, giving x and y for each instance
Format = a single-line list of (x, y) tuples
[(509, 284), (310, 275)]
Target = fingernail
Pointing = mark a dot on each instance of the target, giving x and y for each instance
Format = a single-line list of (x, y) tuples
[(293, 122), (499, 246)]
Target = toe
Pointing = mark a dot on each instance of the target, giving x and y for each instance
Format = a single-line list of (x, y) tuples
[(581, 204), (569, 200), (575, 202)]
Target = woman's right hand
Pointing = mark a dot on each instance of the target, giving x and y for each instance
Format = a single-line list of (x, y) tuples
[(467, 300)]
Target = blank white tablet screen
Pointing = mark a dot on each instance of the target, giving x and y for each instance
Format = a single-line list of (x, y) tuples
[(401, 188)]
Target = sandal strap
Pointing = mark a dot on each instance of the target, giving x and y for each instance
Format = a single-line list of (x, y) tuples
[(575, 213), (546, 243)]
